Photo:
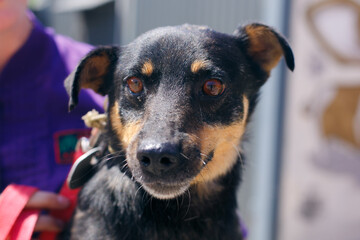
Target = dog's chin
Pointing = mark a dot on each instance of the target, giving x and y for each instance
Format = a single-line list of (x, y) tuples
[(164, 190)]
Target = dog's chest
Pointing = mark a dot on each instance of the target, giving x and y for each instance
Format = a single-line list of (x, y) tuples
[(118, 209)]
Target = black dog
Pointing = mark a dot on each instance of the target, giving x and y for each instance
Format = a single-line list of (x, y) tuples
[(179, 101)]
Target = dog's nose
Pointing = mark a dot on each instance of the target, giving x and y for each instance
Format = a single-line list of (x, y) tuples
[(158, 158)]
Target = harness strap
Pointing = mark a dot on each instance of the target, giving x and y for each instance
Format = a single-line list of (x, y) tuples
[(14, 222), (66, 214), (66, 191)]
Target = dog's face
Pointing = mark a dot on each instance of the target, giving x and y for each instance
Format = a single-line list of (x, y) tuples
[(180, 98)]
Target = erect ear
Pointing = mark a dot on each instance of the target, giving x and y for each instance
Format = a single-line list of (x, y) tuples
[(95, 71), (265, 46)]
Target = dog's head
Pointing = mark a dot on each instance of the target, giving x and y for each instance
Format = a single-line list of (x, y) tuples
[(180, 98)]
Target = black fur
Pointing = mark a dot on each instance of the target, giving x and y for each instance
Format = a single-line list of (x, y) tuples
[(171, 108)]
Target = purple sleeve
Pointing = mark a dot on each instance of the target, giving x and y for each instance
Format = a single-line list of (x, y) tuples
[(34, 109)]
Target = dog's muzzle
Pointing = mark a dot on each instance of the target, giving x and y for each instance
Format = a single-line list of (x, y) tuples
[(164, 168)]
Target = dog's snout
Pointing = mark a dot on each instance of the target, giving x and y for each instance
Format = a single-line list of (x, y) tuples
[(158, 158)]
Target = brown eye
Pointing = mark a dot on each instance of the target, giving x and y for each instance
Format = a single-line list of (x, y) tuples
[(135, 85), (213, 87)]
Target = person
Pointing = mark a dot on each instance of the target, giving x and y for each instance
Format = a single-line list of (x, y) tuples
[(36, 128)]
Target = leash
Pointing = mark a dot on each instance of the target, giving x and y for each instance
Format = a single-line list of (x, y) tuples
[(15, 222)]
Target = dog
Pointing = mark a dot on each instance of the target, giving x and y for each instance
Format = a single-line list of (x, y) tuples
[(180, 99)]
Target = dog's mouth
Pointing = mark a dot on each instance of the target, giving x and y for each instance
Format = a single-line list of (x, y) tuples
[(170, 185), (163, 190), (167, 186)]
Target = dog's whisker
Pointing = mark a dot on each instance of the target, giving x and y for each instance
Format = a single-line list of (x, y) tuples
[(111, 156), (139, 188), (204, 163), (184, 156), (151, 204), (167, 204), (148, 198), (189, 203), (205, 157), (194, 136), (177, 204), (115, 153), (182, 200), (239, 154), (241, 161), (191, 218)]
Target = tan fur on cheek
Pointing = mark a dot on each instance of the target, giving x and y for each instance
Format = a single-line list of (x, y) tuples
[(224, 140), (116, 121), (127, 132), (130, 131)]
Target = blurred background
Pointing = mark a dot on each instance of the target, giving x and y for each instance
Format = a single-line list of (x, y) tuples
[(302, 177)]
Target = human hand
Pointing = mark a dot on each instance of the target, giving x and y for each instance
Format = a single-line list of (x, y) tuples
[(49, 201)]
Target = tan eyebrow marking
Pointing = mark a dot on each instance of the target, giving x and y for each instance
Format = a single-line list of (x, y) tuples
[(148, 68), (197, 65)]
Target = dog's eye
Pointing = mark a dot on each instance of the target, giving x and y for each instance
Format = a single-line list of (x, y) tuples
[(213, 87), (135, 85)]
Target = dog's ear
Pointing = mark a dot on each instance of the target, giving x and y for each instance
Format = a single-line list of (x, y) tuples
[(265, 46), (95, 71)]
